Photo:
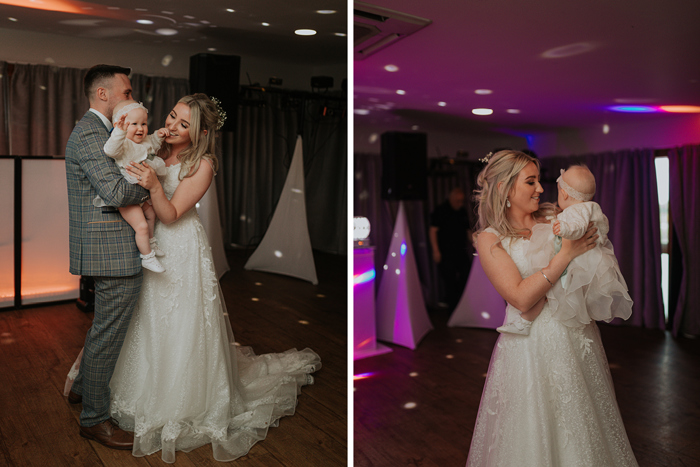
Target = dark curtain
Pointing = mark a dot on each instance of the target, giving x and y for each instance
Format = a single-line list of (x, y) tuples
[(44, 105), (443, 176), (255, 172), (626, 191), (684, 168), (4, 111)]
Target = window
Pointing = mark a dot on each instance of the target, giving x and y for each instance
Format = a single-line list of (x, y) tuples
[(662, 184)]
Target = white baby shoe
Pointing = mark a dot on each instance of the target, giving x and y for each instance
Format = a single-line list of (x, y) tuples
[(154, 247), (151, 263), (518, 326)]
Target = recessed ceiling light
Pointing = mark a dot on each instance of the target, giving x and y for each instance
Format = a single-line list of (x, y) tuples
[(265, 24), (606, 129), (361, 111), (685, 109), (482, 111), (391, 68), (12, 19), (325, 12), (230, 10), (483, 92), (415, 127), (340, 34), (166, 32), (400, 92), (188, 17), (212, 49), (144, 21), (513, 111), (305, 32), (442, 104), (204, 21)]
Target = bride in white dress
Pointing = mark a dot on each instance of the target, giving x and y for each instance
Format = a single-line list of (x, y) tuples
[(180, 381), (548, 400)]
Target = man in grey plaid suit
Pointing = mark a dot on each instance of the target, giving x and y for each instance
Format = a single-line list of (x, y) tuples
[(102, 245)]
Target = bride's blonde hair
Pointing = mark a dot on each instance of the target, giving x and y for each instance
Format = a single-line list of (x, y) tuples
[(203, 116), (502, 168)]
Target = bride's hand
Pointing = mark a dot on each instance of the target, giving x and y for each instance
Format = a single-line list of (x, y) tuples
[(145, 174), (578, 247)]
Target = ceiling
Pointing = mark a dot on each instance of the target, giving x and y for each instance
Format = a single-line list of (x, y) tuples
[(198, 26), (559, 64)]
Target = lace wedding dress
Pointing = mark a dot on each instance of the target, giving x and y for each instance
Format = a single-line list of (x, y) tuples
[(548, 400), (180, 381)]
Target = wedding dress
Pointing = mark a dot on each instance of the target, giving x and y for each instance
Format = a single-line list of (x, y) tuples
[(181, 381), (548, 399)]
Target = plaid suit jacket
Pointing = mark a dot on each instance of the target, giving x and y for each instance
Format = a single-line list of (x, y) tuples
[(101, 242)]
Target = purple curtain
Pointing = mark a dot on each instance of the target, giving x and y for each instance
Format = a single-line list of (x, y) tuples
[(684, 168), (626, 191)]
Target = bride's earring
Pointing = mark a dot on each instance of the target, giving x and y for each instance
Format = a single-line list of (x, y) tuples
[(507, 203)]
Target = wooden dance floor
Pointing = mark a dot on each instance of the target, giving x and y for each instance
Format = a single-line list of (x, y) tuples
[(418, 408), (38, 345)]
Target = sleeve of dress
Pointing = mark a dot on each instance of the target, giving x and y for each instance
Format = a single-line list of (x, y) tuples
[(154, 141), (600, 219), (114, 147), (574, 220)]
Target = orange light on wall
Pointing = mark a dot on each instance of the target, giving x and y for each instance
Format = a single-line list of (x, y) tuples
[(65, 6), (684, 109)]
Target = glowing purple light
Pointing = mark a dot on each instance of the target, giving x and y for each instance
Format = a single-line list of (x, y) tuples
[(362, 375), (403, 248), (364, 277), (633, 108)]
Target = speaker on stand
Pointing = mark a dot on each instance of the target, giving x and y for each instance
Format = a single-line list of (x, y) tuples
[(404, 166), (218, 76)]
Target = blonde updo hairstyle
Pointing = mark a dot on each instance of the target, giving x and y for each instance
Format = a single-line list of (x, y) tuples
[(203, 116), (502, 168)]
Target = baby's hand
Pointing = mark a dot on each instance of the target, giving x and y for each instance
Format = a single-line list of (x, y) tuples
[(163, 133), (122, 123), (556, 228)]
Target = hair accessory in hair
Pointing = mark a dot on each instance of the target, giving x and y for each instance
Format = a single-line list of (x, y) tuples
[(220, 111), (485, 160), (126, 109), (571, 191)]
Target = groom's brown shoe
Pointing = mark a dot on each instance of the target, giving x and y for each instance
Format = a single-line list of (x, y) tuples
[(74, 398), (109, 434)]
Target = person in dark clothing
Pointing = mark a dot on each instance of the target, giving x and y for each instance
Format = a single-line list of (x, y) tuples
[(449, 225)]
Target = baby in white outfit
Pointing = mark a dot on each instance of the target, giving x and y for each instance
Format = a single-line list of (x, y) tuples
[(130, 142), (592, 287)]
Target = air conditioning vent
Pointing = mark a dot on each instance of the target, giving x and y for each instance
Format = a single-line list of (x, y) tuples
[(376, 28)]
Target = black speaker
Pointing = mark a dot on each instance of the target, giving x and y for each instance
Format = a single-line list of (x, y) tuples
[(218, 76), (404, 166)]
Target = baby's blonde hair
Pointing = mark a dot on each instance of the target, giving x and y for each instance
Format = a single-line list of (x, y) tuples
[(503, 168)]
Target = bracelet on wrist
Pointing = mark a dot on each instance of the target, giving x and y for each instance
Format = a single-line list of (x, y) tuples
[(546, 278)]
